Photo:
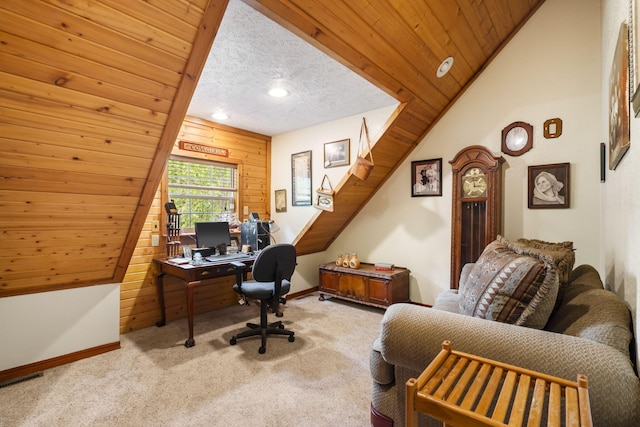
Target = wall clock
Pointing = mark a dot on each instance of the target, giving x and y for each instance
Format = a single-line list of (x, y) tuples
[(476, 205), (517, 138)]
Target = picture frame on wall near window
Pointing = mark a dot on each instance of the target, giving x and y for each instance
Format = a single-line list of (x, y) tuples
[(281, 200), (301, 179)]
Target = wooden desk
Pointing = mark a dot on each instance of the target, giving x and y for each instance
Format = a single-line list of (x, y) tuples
[(192, 276)]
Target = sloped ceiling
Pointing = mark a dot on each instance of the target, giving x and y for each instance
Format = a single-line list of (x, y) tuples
[(253, 54), (92, 95)]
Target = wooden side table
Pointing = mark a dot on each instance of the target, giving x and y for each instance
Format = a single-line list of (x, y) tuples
[(460, 389), (364, 285)]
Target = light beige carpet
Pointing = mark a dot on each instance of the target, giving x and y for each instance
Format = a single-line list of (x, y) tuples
[(321, 379)]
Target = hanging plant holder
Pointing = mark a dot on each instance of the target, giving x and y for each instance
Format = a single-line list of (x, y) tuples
[(363, 166)]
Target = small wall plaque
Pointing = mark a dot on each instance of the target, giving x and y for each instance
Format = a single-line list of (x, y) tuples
[(553, 128)]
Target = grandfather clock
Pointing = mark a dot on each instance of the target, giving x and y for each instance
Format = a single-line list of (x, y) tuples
[(477, 205)]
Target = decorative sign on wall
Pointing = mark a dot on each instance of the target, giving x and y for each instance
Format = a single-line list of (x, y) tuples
[(205, 149)]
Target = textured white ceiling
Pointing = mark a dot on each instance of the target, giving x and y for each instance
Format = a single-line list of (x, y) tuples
[(251, 54)]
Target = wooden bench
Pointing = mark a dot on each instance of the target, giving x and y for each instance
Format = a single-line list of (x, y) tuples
[(461, 389)]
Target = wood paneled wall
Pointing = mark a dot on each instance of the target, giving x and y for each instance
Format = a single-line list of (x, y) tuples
[(92, 95), (139, 306)]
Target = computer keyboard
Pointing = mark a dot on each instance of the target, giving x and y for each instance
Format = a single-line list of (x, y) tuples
[(226, 257)]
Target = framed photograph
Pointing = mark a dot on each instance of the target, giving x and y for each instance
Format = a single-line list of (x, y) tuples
[(549, 186), (281, 200), (301, 179), (426, 178), (619, 134), (336, 153)]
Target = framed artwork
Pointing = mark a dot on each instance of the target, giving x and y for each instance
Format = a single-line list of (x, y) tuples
[(549, 186), (301, 179), (426, 178), (336, 153), (281, 200), (619, 137), (634, 36)]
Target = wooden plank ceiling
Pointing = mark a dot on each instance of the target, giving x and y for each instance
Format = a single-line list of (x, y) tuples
[(92, 95)]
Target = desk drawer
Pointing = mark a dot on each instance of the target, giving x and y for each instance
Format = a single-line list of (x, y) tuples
[(214, 271)]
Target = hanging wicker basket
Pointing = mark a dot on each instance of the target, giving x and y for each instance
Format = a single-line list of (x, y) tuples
[(363, 166)]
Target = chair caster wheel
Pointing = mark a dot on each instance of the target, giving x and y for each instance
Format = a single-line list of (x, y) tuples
[(262, 350), (292, 338), (233, 341)]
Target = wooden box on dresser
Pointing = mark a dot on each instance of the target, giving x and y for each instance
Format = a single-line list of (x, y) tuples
[(364, 285)]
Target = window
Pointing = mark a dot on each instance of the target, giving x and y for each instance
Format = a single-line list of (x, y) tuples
[(202, 190)]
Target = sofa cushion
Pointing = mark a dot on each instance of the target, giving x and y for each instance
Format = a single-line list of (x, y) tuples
[(509, 287), (448, 300), (589, 311)]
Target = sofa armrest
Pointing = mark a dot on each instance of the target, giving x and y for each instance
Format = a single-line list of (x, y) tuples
[(381, 371), (411, 336)]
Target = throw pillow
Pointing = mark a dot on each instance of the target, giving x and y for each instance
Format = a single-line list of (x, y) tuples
[(562, 254), (508, 287)]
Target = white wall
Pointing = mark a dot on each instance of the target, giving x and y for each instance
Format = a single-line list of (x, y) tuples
[(620, 197), (314, 138), (550, 69), (42, 326)]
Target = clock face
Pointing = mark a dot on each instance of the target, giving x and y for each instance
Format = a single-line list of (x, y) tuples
[(517, 138), (474, 183)]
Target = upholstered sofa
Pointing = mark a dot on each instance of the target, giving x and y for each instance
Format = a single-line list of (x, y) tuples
[(588, 331)]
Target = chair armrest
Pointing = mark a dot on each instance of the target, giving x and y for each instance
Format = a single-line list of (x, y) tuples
[(239, 267), (411, 336)]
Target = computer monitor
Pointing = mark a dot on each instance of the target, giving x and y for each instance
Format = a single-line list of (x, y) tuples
[(211, 234)]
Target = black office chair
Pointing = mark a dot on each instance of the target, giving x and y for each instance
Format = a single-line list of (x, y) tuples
[(272, 271)]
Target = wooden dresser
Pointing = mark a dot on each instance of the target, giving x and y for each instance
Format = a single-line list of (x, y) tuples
[(364, 285)]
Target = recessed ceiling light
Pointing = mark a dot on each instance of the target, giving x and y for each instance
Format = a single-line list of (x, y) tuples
[(444, 67), (278, 92), (220, 116)]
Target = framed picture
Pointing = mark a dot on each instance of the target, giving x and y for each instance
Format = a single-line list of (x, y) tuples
[(619, 136), (635, 57), (336, 153), (281, 200), (301, 179), (426, 178), (549, 186)]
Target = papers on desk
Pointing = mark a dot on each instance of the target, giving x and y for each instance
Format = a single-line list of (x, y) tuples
[(180, 260)]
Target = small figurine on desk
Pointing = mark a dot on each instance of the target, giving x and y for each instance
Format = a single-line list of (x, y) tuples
[(222, 249)]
